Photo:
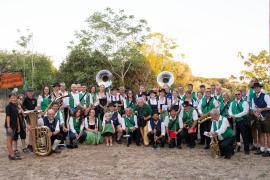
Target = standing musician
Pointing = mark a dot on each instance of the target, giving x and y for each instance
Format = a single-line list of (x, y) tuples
[(45, 99), (123, 96), (65, 102), (218, 95), (205, 106), (176, 103), (202, 89), (224, 107), (131, 125), (115, 98), (162, 104), (181, 93), (144, 112), (93, 96), (84, 97), (261, 109), (74, 100), (130, 101), (173, 130), (156, 131), (141, 91), (56, 91), (193, 93), (238, 112), (152, 101), (221, 129), (102, 102), (186, 121), (213, 90), (54, 129)]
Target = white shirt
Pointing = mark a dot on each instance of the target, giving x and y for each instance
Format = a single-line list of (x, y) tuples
[(65, 99), (57, 127), (225, 124), (103, 123), (167, 119), (266, 99), (241, 114), (163, 103), (86, 123), (135, 120), (162, 128), (181, 115), (61, 117), (40, 99), (76, 99), (120, 120), (153, 101), (216, 104), (71, 125)]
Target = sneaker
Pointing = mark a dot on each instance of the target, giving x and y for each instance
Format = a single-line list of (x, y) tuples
[(56, 151), (14, 158), (266, 154), (17, 153), (253, 148)]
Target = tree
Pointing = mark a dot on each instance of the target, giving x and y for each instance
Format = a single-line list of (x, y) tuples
[(258, 66), (115, 35)]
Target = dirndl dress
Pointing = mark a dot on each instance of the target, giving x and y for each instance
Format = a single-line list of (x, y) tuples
[(108, 130)]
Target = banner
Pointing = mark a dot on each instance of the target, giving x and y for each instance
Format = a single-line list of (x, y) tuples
[(11, 80)]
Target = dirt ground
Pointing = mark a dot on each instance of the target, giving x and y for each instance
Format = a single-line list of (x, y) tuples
[(122, 162)]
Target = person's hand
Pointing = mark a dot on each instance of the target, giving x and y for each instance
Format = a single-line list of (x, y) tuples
[(233, 116), (50, 134), (155, 138), (186, 126), (259, 110), (9, 130)]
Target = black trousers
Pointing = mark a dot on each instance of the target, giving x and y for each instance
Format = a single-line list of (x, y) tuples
[(226, 146), (243, 129), (189, 138), (152, 141), (206, 126), (66, 113), (54, 137), (134, 136)]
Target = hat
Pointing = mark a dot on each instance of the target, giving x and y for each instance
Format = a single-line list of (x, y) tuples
[(163, 90), (56, 84), (256, 84), (186, 103)]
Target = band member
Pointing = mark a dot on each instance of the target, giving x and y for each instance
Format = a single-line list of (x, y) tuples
[(172, 125), (108, 129), (118, 123), (91, 128), (189, 99), (123, 96), (162, 104), (131, 127), (12, 124), (186, 118), (218, 95), (153, 102), (176, 103), (74, 100), (143, 114), (56, 91), (115, 98), (65, 101), (213, 90), (45, 99), (141, 91), (238, 112), (221, 129), (166, 87), (102, 102), (199, 99), (261, 109), (181, 93), (202, 89), (206, 105), (84, 97), (22, 132), (76, 133), (243, 89), (193, 93), (156, 131), (130, 101), (224, 107), (93, 96), (54, 129)]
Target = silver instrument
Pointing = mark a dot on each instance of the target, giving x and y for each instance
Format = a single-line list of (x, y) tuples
[(165, 77), (104, 77)]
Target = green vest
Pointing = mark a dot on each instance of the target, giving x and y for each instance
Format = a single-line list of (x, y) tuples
[(71, 101), (130, 104), (236, 109), (173, 124), (207, 107), (57, 116), (224, 109), (83, 99), (44, 103), (76, 125), (144, 111), (188, 118), (220, 99), (193, 96), (94, 97), (251, 95), (228, 133), (129, 122)]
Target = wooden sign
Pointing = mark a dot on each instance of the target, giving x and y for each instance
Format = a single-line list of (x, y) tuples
[(11, 80)]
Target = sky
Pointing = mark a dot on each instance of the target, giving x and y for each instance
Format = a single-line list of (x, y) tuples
[(209, 32)]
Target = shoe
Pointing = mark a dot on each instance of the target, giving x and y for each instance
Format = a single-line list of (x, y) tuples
[(119, 141), (253, 148), (17, 153), (179, 147), (247, 152), (238, 149), (70, 147), (30, 147), (227, 157), (25, 150), (155, 146), (14, 158), (266, 154), (258, 152), (138, 144), (207, 147), (56, 151), (201, 143)]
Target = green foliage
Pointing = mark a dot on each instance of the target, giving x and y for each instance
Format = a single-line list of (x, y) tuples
[(43, 70), (257, 66)]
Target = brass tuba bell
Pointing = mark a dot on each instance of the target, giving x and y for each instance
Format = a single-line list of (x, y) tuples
[(104, 77), (165, 77)]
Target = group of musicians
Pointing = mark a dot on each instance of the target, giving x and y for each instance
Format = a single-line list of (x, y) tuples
[(155, 118)]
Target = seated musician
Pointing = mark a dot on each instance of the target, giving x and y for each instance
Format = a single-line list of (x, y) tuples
[(173, 129), (222, 130), (53, 125), (118, 123), (186, 118), (76, 133), (131, 125), (156, 131), (59, 117)]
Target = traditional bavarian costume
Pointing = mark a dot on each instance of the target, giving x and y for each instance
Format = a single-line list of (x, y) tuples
[(163, 106), (84, 99), (101, 101), (76, 127), (225, 135), (92, 136), (159, 129), (239, 109), (173, 126), (129, 103), (74, 101), (108, 128), (43, 102), (224, 111), (153, 103), (131, 123), (54, 127), (175, 103)]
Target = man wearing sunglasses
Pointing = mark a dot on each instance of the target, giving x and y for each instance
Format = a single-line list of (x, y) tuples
[(238, 112)]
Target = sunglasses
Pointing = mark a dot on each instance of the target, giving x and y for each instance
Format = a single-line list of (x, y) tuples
[(237, 94)]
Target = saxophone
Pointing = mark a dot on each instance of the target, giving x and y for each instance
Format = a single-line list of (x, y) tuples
[(41, 142), (214, 147)]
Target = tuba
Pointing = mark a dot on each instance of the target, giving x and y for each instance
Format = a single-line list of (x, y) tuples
[(40, 140), (165, 77), (104, 77)]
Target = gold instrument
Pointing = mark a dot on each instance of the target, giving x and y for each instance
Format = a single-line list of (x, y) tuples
[(258, 115), (202, 119), (165, 77), (41, 142), (104, 77), (214, 147), (58, 100)]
